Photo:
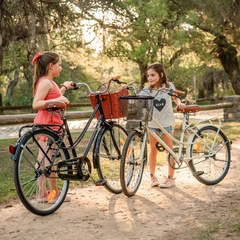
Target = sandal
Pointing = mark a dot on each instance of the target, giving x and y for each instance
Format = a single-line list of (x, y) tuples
[(67, 199), (43, 199)]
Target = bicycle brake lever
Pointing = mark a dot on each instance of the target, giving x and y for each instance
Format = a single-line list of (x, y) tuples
[(119, 82), (173, 95), (74, 88)]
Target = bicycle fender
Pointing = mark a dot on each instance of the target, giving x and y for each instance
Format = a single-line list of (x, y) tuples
[(190, 139), (95, 149), (17, 146), (188, 147), (107, 125)]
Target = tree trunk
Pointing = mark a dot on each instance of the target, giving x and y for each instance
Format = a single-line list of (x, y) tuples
[(11, 87), (1, 103), (227, 55), (143, 69)]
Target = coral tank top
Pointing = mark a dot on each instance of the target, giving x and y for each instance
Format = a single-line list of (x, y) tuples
[(43, 116)]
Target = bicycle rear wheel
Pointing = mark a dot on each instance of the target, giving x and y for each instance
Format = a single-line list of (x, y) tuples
[(107, 154), (134, 158), (210, 166), (33, 178)]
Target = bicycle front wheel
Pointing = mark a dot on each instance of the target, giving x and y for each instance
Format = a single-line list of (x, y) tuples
[(210, 153), (134, 158), (35, 181), (107, 155)]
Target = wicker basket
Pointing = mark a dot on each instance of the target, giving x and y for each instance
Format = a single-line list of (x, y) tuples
[(111, 104), (138, 108)]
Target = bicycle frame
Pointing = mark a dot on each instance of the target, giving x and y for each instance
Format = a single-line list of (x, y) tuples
[(202, 145), (100, 122), (63, 130), (192, 129)]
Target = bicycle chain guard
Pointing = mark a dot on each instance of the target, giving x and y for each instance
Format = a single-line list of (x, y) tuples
[(74, 169)]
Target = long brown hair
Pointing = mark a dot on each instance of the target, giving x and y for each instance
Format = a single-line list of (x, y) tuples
[(42, 62), (158, 67)]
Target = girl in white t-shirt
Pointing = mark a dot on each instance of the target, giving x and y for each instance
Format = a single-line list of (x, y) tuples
[(163, 113)]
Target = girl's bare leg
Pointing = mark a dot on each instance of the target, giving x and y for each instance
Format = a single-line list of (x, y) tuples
[(168, 141), (152, 155), (42, 180)]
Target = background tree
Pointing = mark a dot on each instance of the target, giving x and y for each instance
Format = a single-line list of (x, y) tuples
[(188, 37), (145, 32), (30, 26), (219, 20), (140, 31)]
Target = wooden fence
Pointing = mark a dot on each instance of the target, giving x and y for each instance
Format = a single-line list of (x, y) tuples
[(78, 115), (23, 107)]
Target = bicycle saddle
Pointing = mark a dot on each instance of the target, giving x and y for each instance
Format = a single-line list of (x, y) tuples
[(56, 105), (190, 109)]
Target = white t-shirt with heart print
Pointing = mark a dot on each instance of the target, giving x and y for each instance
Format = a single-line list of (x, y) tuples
[(162, 106)]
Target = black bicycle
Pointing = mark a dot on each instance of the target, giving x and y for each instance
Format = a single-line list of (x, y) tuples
[(47, 157)]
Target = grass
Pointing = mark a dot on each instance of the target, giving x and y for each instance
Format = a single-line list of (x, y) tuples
[(7, 188), (227, 227)]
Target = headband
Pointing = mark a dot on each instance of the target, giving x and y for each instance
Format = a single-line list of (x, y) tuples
[(36, 56)]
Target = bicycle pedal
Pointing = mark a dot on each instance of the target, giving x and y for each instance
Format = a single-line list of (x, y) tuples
[(160, 147), (198, 173), (100, 182)]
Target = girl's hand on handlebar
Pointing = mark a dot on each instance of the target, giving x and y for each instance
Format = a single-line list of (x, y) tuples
[(67, 84)]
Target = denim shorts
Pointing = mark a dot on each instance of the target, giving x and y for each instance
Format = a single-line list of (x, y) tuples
[(159, 131)]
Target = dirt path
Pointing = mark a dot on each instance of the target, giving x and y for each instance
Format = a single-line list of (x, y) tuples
[(153, 213)]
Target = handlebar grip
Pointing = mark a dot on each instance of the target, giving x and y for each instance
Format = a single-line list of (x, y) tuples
[(178, 92)]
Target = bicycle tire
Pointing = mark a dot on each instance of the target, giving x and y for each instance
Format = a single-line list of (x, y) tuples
[(107, 157), (210, 170), (132, 164), (28, 174)]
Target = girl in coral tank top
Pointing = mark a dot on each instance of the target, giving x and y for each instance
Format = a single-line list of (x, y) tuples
[(47, 66)]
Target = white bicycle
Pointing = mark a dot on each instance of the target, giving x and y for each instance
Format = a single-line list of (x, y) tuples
[(203, 146)]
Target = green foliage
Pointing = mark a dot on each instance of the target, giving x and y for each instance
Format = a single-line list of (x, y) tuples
[(145, 26), (23, 93), (7, 187), (181, 36)]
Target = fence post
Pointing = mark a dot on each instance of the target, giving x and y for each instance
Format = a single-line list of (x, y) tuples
[(1, 112), (233, 113)]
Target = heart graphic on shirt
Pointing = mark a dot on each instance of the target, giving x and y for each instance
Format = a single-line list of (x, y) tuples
[(159, 105)]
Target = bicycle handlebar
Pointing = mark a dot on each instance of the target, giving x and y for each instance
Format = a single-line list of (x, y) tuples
[(113, 79), (178, 92), (171, 92), (116, 79), (175, 93), (132, 88)]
